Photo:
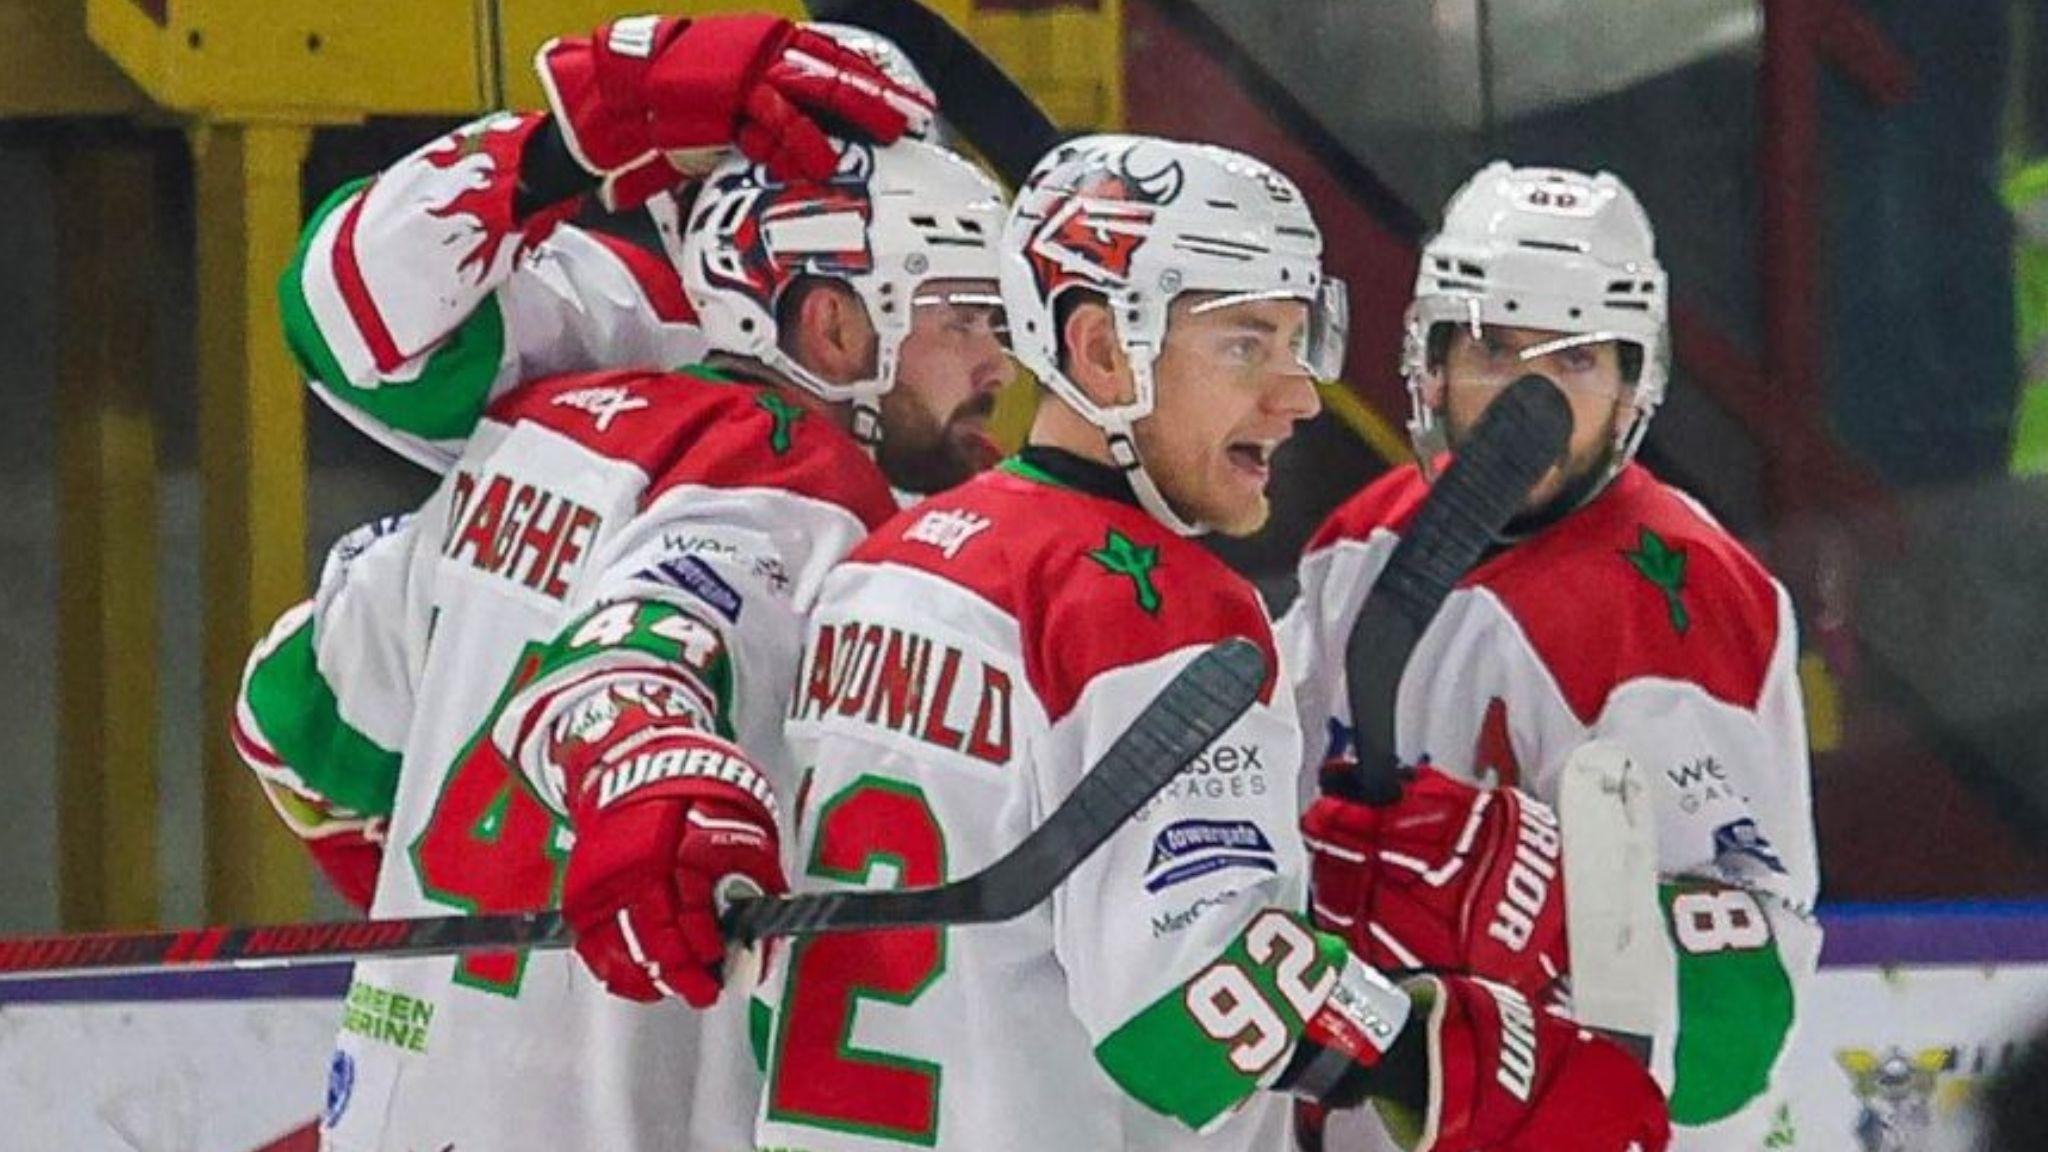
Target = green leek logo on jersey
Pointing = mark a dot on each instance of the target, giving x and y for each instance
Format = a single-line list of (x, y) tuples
[(1664, 566), (1123, 558), (785, 415)]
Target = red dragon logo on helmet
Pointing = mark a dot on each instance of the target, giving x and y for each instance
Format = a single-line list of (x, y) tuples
[(1092, 231), (790, 229)]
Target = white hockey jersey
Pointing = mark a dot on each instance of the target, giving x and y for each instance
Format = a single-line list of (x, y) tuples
[(963, 669), (685, 516), (1636, 619), (416, 297)]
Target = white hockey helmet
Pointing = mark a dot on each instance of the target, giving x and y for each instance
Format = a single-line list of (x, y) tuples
[(1140, 220), (893, 218), (1543, 248)]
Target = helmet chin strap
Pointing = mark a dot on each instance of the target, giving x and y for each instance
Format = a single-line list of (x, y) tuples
[(1123, 449)]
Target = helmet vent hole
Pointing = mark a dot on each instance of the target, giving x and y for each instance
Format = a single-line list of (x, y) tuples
[(925, 221), (746, 324), (1226, 205), (1514, 305), (1576, 313), (1472, 270)]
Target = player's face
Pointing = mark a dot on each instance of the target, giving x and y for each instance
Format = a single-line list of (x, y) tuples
[(935, 420), (1229, 390), (1478, 368)]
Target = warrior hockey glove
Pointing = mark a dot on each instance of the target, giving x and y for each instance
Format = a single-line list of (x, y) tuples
[(670, 822), (1446, 877), (1509, 1077), (1478, 1067), (646, 101)]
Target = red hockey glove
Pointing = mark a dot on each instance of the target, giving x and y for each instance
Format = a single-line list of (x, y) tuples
[(646, 101), (1448, 877), (666, 831), (1509, 1077)]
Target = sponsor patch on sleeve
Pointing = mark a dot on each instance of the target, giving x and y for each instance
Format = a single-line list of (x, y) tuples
[(1186, 849), (699, 579), (1741, 839)]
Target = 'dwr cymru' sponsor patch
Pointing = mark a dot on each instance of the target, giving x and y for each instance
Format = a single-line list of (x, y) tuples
[(1186, 849)]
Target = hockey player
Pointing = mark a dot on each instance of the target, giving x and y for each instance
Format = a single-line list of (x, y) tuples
[(419, 295), (597, 525), (1614, 608), (973, 657)]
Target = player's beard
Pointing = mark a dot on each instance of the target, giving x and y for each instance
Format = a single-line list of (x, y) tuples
[(1584, 474), (923, 455)]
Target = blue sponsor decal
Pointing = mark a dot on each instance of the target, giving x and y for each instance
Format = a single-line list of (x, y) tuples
[(1741, 838), (698, 579), (341, 1086), (1186, 849)]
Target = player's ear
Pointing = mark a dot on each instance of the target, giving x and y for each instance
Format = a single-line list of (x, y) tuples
[(1095, 358), (834, 336)]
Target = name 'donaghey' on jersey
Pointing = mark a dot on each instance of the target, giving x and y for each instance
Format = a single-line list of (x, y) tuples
[(517, 530), (910, 684)]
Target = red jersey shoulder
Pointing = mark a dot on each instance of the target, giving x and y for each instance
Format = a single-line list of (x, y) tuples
[(685, 428), (1093, 584), (1389, 501), (1640, 584)]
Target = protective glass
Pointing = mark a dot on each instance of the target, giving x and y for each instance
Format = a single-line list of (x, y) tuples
[(1317, 346)]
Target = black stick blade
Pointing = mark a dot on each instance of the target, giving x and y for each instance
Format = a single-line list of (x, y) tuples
[(1190, 713), (1523, 432)]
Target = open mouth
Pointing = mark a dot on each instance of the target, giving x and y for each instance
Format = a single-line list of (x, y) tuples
[(1254, 457)]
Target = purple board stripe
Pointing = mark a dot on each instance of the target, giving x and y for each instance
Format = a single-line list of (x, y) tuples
[(1868, 935), (309, 982)]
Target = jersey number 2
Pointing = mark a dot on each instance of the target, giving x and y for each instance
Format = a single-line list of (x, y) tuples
[(820, 1078)]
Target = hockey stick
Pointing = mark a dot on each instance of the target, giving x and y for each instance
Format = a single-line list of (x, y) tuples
[(976, 96), (1624, 975), (1189, 714), (1522, 433)]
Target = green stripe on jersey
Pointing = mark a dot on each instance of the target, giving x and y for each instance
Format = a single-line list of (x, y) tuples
[(1200, 1050), (1735, 1005), (296, 711), (670, 634), (445, 402)]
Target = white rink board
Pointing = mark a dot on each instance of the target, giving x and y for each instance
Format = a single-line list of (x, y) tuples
[(196, 1076), (1927, 1039), (240, 1071)]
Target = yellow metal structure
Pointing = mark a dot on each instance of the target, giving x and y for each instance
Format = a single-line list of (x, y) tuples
[(310, 61), (252, 452), (106, 543), (49, 68), (1068, 56), (1386, 441)]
